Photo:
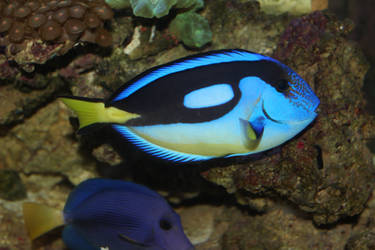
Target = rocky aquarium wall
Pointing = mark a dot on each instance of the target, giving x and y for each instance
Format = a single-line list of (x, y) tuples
[(313, 192)]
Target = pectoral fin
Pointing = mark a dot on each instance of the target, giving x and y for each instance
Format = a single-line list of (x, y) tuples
[(253, 132)]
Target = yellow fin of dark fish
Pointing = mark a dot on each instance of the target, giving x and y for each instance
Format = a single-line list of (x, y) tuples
[(39, 219), (90, 112)]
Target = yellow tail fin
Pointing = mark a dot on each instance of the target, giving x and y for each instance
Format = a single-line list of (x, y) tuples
[(90, 112), (39, 219)]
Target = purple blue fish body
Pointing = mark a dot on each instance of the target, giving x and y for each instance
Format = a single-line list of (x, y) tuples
[(114, 215), (217, 104)]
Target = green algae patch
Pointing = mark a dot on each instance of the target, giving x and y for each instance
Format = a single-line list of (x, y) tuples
[(192, 29), (150, 9), (154, 8)]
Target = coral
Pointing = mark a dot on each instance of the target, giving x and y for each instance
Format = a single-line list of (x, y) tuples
[(151, 8), (192, 29), (34, 31)]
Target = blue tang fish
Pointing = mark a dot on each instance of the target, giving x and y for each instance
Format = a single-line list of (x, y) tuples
[(112, 215), (217, 104)]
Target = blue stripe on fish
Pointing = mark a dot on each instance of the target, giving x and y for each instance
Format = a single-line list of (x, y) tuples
[(156, 150), (209, 96), (216, 58)]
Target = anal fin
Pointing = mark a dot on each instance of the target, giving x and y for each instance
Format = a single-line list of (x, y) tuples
[(155, 150)]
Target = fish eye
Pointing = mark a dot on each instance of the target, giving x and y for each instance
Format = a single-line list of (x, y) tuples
[(282, 85), (165, 225)]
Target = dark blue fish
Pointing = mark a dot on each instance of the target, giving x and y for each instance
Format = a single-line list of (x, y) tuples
[(111, 214), (217, 104)]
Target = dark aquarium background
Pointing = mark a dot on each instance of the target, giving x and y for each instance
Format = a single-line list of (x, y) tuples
[(313, 192)]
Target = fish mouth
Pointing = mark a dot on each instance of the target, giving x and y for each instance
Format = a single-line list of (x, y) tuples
[(316, 110), (316, 101)]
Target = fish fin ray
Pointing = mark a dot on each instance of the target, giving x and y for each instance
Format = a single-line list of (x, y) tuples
[(156, 150), (39, 219)]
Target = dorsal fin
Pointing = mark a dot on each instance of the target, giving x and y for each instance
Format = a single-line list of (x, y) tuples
[(92, 186), (213, 57)]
